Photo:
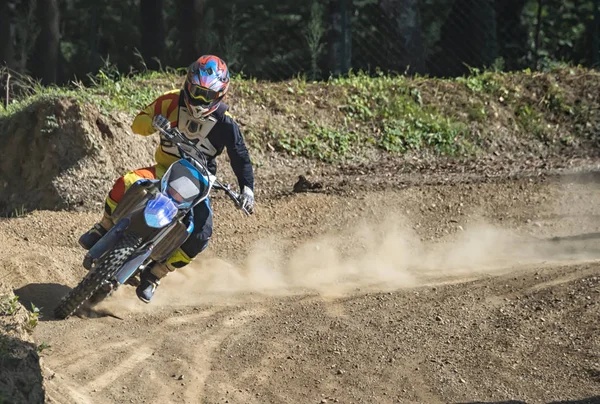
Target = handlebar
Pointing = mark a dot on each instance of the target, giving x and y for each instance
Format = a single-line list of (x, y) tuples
[(163, 125)]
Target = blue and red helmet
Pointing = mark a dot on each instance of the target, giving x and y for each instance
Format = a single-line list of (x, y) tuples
[(205, 86)]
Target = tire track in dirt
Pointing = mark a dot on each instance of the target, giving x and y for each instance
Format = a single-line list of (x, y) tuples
[(71, 362), (102, 370), (560, 280), (202, 358), (234, 341), (62, 390), (128, 363)]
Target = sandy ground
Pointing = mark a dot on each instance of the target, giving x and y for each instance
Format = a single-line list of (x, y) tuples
[(461, 292)]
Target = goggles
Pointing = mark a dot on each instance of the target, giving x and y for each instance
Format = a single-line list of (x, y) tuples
[(202, 95)]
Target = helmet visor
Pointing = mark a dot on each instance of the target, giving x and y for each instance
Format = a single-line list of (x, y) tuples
[(201, 96)]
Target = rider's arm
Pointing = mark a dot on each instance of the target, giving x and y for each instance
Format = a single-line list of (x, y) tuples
[(238, 154), (166, 105)]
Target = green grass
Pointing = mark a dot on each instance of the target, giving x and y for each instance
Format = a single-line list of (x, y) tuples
[(32, 318), (19, 212), (109, 91), (349, 117), (531, 120), (9, 305), (487, 82), (401, 119), (42, 347), (395, 115), (322, 143)]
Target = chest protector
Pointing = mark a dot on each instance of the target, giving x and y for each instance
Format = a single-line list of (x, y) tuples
[(194, 130)]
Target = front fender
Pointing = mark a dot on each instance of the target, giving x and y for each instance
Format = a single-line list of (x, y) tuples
[(132, 265)]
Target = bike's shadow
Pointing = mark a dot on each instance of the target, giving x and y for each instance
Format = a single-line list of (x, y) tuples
[(46, 296)]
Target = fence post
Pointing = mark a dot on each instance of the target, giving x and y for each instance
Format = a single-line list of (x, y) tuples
[(346, 40), (538, 28), (7, 99), (595, 34)]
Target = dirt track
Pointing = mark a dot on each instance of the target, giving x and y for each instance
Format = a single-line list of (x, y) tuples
[(433, 294)]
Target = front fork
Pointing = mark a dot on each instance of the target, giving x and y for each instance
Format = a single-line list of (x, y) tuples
[(105, 243)]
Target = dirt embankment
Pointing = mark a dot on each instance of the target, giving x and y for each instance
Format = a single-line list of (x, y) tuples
[(62, 155), (21, 378)]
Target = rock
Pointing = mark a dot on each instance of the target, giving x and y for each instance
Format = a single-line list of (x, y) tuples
[(304, 185), (180, 377), (438, 318)]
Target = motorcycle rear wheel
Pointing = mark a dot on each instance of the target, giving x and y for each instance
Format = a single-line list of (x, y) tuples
[(90, 285)]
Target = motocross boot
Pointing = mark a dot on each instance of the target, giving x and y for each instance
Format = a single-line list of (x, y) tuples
[(93, 235), (149, 281)]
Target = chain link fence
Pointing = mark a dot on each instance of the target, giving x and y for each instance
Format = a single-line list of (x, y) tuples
[(280, 39), (283, 39)]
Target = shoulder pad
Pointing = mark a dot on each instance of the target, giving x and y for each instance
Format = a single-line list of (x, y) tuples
[(169, 94), (221, 111), (172, 96)]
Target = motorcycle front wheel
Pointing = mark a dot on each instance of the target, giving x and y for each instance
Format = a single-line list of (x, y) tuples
[(91, 287)]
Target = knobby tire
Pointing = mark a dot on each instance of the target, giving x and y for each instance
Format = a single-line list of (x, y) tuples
[(104, 270)]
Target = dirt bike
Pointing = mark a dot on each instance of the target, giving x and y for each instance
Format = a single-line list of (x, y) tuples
[(153, 219)]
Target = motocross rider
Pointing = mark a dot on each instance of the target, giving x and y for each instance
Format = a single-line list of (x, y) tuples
[(199, 112)]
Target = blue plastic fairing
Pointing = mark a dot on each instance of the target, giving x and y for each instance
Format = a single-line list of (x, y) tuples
[(184, 184), (131, 266), (160, 211)]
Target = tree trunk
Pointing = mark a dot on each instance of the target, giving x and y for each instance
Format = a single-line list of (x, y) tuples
[(6, 35), (538, 30), (512, 34), (47, 45), (468, 39), (595, 35), (153, 32), (94, 55), (190, 17), (339, 38), (406, 52)]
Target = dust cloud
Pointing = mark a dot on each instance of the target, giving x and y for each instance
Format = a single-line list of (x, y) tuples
[(371, 257), (385, 255)]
